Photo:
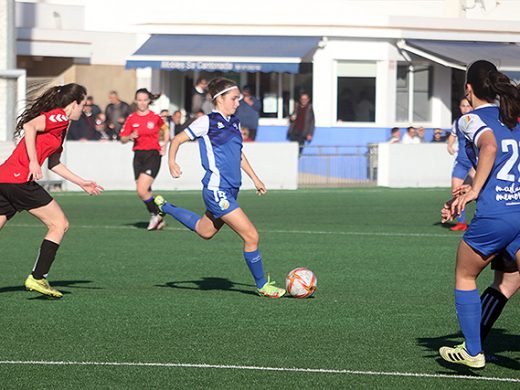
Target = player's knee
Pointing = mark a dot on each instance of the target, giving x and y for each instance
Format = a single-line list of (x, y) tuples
[(252, 237), (206, 235), (60, 225)]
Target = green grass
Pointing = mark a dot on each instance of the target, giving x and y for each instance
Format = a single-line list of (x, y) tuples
[(384, 301)]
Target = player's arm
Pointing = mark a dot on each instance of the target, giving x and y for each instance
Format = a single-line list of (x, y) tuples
[(177, 141), (30, 129), (57, 167), (165, 133), (127, 134), (248, 169), (451, 142)]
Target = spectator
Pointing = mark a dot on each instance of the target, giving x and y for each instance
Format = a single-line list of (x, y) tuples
[(248, 112), (199, 95), (101, 126), (301, 128), (116, 113), (176, 125), (165, 115), (207, 105), (420, 134), (84, 129), (245, 134), (438, 136), (365, 109), (411, 136), (94, 107), (395, 135)]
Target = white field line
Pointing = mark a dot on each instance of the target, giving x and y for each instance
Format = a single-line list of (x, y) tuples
[(311, 232), (259, 368)]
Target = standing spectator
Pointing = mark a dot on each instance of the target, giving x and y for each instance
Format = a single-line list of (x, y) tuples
[(94, 107), (165, 115), (175, 124), (420, 134), (438, 136), (411, 136), (248, 112), (116, 113), (395, 135), (84, 129), (207, 105), (301, 128), (199, 95)]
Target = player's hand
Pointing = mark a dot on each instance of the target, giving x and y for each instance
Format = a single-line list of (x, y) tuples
[(461, 190), (451, 150), (446, 213), (260, 188), (133, 135), (175, 170), (35, 171), (460, 202), (91, 187)]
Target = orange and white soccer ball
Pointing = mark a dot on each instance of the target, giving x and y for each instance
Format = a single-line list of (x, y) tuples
[(301, 283)]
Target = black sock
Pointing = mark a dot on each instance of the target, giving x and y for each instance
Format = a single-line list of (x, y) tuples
[(45, 258), (492, 302), (151, 206)]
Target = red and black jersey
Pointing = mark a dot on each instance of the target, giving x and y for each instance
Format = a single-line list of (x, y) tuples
[(147, 128), (16, 168)]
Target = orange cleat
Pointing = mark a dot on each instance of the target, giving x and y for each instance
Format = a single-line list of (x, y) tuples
[(459, 227)]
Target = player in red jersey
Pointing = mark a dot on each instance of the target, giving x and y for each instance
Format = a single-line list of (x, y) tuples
[(44, 125), (150, 136)]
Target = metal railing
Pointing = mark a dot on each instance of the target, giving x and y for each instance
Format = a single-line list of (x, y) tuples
[(338, 166)]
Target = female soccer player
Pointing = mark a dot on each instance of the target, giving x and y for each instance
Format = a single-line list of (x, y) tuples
[(150, 136), (494, 135), (462, 168), (44, 125), (220, 143)]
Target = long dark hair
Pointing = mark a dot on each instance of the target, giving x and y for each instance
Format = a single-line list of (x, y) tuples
[(219, 84), (151, 96), (56, 97), (489, 84)]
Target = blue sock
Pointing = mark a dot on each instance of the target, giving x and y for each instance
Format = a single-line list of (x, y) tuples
[(462, 217), (186, 217), (254, 262), (469, 313)]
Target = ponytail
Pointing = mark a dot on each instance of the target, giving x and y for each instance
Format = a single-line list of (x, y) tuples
[(509, 97), (151, 96)]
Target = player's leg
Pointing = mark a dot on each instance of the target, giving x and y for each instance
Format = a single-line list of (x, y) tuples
[(57, 224), (238, 221), (143, 187), (495, 297), (3, 220), (457, 179), (187, 217)]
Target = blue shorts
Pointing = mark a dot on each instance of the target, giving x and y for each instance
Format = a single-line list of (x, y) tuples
[(489, 235), (220, 202), (461, 169)]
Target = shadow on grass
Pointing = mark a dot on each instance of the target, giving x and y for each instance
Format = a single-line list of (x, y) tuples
[(447, 225), (498, 341), (58, 284), (210, 284), (138, 225)]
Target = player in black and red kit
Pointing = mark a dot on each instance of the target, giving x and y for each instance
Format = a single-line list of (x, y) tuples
[(44, 125), (150, 136)]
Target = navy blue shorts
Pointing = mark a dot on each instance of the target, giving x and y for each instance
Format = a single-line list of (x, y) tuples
[(220, 202), (489, 235), (461, 169)]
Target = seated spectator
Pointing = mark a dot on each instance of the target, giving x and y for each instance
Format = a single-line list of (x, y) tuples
[(439, 136), (95, 108), (176, 124), (395, 135), (84, 129), (420, 134), (411, 136), (248, 112), (245, 134)]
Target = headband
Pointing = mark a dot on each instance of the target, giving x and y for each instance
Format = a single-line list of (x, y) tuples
[(224, 91)]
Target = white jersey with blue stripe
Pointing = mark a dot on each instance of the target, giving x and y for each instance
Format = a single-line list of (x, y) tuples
[(501, 192), (220, 144), (462, 157)]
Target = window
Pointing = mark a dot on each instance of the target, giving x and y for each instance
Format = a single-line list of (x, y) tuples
[(421, 98), (356, 91)]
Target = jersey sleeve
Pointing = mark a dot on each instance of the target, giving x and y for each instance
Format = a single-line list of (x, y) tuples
[(472, 126), (160, 121), (198, 128), (127, 128), (55, 120), (454, 129)]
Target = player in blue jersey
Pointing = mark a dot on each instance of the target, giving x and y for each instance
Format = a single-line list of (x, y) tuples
[(493, 133), (220, 143), (462, 168)]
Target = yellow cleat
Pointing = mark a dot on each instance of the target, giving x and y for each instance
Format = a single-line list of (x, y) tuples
[(459, 355), (270, 290), (42, 286)]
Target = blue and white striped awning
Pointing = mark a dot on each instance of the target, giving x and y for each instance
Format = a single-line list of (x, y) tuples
[(224, 53)]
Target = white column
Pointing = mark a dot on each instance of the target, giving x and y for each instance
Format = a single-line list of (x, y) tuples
[(441, 99), (8, 86), (324, 88)]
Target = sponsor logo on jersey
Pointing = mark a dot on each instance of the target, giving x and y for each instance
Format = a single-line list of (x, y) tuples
[(235, 126), (135, 125), (16, 174), (220, 125), (58, 118), (150, 125)]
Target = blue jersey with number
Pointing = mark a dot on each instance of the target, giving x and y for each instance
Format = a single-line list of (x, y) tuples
[(220, 144), (501, 192)]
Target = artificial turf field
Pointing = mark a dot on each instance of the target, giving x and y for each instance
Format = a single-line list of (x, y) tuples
[(168, 310)]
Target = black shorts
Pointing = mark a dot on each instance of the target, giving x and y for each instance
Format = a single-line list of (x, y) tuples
[(16, 197), (147, 162), (503, 262)]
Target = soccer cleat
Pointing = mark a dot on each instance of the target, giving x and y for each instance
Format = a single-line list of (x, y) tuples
[(160, 202), (161, 225), (155, 221), (460, 355), (270, 290), (42, 286), (460, 226)]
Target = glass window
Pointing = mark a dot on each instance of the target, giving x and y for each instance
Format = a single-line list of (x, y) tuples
[(422, 89), (356, 91)]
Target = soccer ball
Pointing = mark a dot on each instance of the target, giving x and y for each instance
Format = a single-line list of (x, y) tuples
[(301, 283)]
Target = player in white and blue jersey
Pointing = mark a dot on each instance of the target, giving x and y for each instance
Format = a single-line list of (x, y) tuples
[(462, 168), (220, 143), (493, 133)]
